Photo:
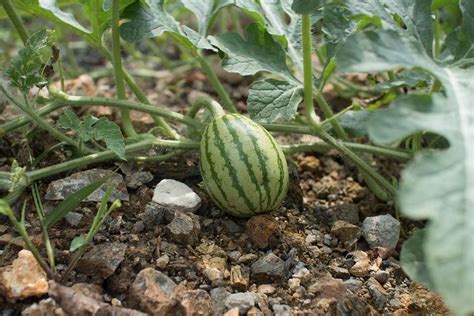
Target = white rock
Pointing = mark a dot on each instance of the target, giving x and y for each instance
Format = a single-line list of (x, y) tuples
[(176, 195)]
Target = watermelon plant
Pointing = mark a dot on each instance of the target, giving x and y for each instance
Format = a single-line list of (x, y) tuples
[(414, 105)]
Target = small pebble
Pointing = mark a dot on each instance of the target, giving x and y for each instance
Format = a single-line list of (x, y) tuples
[(162, 261)]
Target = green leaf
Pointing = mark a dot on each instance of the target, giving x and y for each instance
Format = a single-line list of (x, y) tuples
[(437, 185), (26, 69), (412, 259), (259, 52), (5, 208), (406, 78), (70, 120), (152, 20), (77, 243), (205, 12), (461, 42), (111, 134), (72, 202), (273, 100), (97, 12), (355, 122), (306, 6), (337, 25)]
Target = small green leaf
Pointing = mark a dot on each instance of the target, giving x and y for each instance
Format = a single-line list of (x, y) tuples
[(205, 12), (70, 120), (5, 208), (77, 243), (355, 122), (306, 6), (111, 134), (259, 52), (72, 202), (273, 100), (405, 78)]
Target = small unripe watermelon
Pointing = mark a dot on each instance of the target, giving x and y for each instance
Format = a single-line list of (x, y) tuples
[(244, 169)]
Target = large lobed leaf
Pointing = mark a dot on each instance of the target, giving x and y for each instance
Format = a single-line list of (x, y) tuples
[(437, 185)]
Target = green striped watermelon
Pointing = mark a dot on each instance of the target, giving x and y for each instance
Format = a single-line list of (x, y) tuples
[(243, 168)]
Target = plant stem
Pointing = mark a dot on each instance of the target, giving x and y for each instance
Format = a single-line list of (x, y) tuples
[(42, 123), (323, 147), (328, 114), (214, 107), (15, 19), (165, 128), (215, 82), (146, 108), (117, 64), (107, 155)]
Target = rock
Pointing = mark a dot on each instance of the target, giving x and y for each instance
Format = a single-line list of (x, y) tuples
[(23, 278), (232, 312), (339, 272), (253, 311), (44, 308), (263, 231), (347, 212), (231, 227), (243, 301), (381, 231), (234, 255), (346, 232), (328, 288), (381, 276), (247, 258), (102, 259), (352, 305), (195, 302), (353, 284), (310, 163), (213, 269), (294, 283), (62, 189), (176, 195), (218, 296), (153, 215), (136, 179), (162, 261), (73, 218), (362, 264), (239, 279), (90, 290), (377, 292), (268, 268), (266, 289), (184, 229), (152, 292), (282, 310)]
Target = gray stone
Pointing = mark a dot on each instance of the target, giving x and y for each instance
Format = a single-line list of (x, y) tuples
[(184, 228), (102, 259), (381, 231), (232, 227), (176, 195), (268, 268), (62, 189), (353, 284), (218, 296), (377, 292), (136, 179), (381, 276), (282, 310), (347, 212), (242, 301), (73, 218), (346, 232)]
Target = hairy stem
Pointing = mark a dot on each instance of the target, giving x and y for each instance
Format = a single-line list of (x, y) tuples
[(15, 19), (215, 82), (117, 64)]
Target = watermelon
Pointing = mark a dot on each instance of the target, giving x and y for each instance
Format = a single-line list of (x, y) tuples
[(243, 168)]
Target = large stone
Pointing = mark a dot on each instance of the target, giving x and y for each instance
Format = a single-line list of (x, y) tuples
[(218, 295), (269, 268), (195, 302), (102, 259), (23, 278), (346, 232), (381, 231), (152, 292), (44, 307), (361, 265), (184, 229), (263, 231), (242, 301), (176, 195), (62, 189), (329, 289)]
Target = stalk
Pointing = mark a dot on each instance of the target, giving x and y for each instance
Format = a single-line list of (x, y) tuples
[(214, 107), (107, 155), (146, 108), (117, 64), (15, 19), (215, 82), (41, 122), (165, 128)]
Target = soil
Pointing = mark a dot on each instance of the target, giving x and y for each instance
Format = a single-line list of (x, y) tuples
[(324, 188)]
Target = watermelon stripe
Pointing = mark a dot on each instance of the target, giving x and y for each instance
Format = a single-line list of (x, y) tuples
[(214, 176), (280, 163), (218, 142), (262, 164), (242, 154)]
